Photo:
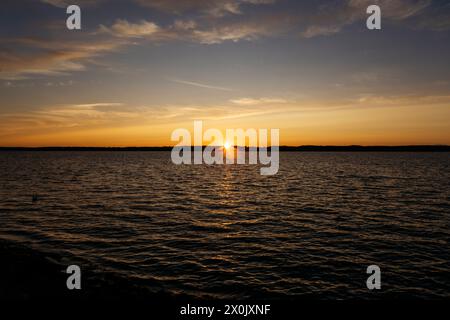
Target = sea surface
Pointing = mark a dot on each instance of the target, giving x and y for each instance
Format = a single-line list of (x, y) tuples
[(227, 232)]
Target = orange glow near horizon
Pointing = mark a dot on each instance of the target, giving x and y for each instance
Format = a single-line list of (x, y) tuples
[(416, 125)]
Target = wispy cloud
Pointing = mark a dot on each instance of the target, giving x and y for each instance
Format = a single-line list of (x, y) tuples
[(123, 28), (24, 57), (258, 101), (200, 85), (232, 32), (214, 8), (331, 18), (98, 104), (190, 30), (65, 3)]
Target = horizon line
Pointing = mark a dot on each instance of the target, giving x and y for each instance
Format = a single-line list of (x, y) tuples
[(421, 147)]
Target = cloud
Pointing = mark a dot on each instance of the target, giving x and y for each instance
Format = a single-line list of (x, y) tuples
[(332, 18), (190, 30), (436, 18), (258, 25), (392, 9), (177, 6), (184, 25), (25, 57), (235, 32), (61, 118), (317, 30), (322, 19), (258, 101), (405, 101), (66, 3), (98, 105), (123, 28), (109, 115), (214, 8), (212, 22), (200, 85)]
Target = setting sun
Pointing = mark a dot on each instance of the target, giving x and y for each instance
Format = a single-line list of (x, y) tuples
[(227, 146)]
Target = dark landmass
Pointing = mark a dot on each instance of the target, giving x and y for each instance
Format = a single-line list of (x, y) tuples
[(353, 148), (414, 148)]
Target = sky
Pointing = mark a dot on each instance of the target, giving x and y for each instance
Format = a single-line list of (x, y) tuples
[(139, 69)]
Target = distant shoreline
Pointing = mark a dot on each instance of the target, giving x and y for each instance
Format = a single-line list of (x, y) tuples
[(354, 148)]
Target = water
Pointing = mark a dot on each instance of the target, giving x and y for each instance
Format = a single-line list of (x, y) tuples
[(228, 232)]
